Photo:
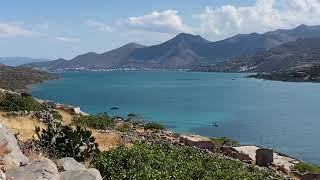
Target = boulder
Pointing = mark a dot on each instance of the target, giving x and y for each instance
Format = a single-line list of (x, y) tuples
[(11, 155), (198, 141), (86, 174), (2, 175), (43, 169), (234, 153), (69, 164), (264, 157)]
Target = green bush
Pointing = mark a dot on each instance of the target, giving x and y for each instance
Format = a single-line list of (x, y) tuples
[(63, 141), (125, 127), (14, 102), (153, 126), (306, 167), (225, 140), (98, 121), (144, 161), (56, 115)]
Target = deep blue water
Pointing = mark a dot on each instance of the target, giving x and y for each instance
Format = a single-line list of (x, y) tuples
[(281, 115)]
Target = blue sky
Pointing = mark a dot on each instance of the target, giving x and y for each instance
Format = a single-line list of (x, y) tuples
[(66, 28)]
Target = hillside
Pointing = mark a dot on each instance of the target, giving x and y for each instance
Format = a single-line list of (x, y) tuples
[(18, 78), (281, 58), (182, 52), (293, 61)]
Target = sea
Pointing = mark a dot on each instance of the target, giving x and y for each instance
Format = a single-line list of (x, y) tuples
[(279, 115)]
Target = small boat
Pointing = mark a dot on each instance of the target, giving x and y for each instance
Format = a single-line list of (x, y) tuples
[(215, 124), (114, 108)]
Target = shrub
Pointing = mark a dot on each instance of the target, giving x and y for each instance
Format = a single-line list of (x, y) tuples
[(63, 141), (306, 167), (98, 121), (153, 126), (125, 127), (225, 140), (143, 161), (15, 102), (56, 115)]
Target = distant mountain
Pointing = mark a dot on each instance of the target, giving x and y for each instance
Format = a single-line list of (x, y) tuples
[(17, 61), (183, 51), (287, 57)]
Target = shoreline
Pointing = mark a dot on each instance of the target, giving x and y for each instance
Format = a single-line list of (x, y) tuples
[(181, 132), (244, 153)]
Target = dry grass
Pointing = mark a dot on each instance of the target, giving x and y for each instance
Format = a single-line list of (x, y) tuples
[(24, 126), (107, 141), (66, 117)]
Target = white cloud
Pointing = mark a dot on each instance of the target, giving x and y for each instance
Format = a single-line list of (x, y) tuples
[(264, 15), (145, 37), (167, 21), (67, 39), (43, 26), (99, 26), (14, 30)]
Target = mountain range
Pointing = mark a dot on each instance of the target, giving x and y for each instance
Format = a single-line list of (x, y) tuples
[(184, 51), (17, 61), (291, 56)]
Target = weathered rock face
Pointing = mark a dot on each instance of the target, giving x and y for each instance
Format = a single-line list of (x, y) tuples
[(73, 170), (198, 141), (12, 157), (2, 175), (37, 170), (232, 152), (264, 157), (310, 176), (86, 174), (69, 164)]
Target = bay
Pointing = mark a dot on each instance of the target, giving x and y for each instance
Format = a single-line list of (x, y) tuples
[(279, 115)]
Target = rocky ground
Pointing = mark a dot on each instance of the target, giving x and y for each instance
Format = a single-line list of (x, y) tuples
[(15, 165)]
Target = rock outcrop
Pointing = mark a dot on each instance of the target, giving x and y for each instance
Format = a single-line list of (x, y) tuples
[(85, 174), (11, 156), (69, 164), (43, 169), (198, 141), (264, 157), (73, 170), (46, 169)]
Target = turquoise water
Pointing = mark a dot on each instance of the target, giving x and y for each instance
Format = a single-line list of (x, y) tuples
[(284, 116)]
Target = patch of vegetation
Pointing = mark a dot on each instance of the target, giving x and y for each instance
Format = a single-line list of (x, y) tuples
[(225, 141), (56, 115), (153, 126), (98, 121), (143, 161), (306, 167), (125, 127), (18, 78), (62, 141), (15, 102)]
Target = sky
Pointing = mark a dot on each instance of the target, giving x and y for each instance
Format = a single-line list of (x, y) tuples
[(66, 28)]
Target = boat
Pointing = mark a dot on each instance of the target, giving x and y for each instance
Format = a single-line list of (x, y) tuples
[(215, 124), (114, 108)]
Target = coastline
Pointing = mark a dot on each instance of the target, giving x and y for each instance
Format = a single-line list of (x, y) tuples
[(249, 151), (180, 131)]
